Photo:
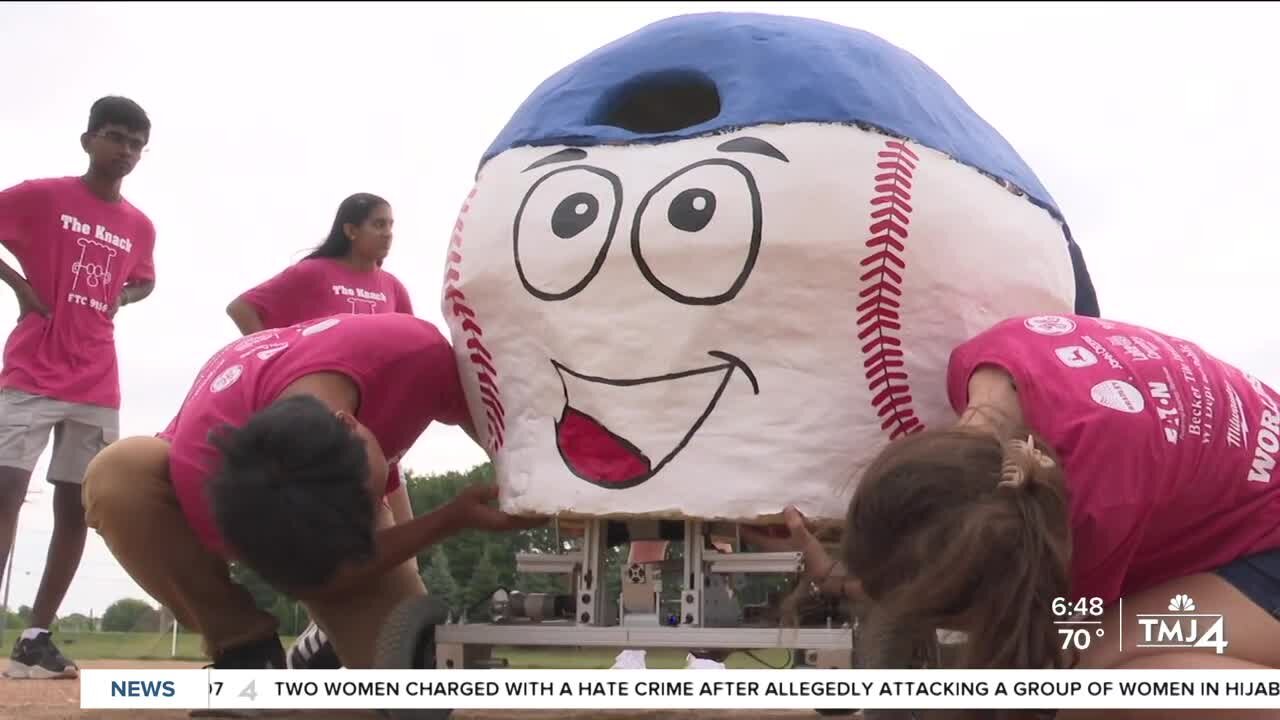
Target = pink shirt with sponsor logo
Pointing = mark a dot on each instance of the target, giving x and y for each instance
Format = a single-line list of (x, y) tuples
[(77, 251), (403, 367), (319, 287), (1169, 452)]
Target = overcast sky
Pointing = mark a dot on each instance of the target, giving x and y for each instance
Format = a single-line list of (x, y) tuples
[(1153, 125)]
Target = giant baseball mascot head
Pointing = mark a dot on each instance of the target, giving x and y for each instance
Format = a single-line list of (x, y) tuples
[(711, 268)]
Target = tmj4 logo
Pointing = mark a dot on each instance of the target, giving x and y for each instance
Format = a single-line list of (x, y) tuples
[(1182, 627)]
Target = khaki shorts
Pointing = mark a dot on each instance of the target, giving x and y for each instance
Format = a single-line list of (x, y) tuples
[(79, 433)]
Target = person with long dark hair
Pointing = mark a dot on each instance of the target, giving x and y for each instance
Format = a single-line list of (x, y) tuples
[(343, 275)]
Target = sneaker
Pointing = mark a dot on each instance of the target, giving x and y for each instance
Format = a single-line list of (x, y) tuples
[(39, 659), (313, 651), (265, 654)]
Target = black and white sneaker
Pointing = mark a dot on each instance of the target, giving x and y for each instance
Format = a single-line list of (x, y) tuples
[(265, 654), (39, 659), (313, 651)]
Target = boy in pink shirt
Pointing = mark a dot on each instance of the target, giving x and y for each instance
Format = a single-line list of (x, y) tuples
[(343, 275), (1093, 460), (281, 457), (84, 252)]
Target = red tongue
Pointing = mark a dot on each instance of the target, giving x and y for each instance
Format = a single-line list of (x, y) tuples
[(595, 454)]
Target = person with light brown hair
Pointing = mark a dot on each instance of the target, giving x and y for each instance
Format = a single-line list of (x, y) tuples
[(1091, 461)]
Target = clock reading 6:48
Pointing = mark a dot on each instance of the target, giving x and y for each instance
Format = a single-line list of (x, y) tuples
[(1084, 606)]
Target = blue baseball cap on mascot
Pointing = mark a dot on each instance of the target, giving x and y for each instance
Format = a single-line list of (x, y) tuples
[(709, 268)]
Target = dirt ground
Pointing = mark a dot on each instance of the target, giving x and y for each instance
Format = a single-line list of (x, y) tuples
[(60, 700)]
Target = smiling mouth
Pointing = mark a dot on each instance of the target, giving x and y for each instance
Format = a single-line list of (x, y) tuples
[(600, 455)]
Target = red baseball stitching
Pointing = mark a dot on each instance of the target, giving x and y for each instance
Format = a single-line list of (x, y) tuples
[(481, 358), (881, 320)]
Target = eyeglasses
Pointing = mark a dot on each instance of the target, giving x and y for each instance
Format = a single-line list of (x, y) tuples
[(118, 138)]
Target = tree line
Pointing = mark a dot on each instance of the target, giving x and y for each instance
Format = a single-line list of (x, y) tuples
[(127, 615)]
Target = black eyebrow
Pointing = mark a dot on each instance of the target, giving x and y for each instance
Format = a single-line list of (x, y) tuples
[(752, 145), (566, 155)]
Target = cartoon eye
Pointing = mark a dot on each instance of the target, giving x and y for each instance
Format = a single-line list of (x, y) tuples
[(692, 209), (701, 215), (563, 230), (574, 214)]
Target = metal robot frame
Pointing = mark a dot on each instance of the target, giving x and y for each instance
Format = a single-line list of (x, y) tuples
[(600, 621)]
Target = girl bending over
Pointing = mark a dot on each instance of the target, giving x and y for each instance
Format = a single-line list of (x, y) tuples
[(1090, 459)]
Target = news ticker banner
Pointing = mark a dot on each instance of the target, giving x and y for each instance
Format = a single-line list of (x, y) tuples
[(678, 689)]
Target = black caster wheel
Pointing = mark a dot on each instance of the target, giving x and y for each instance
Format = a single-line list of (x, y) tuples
[(798, 661), (407, 642), (715, 655)]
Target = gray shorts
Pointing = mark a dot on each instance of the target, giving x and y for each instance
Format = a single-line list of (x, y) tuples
[(79, 433)]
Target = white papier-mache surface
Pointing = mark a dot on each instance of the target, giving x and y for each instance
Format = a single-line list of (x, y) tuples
[(755, 314)]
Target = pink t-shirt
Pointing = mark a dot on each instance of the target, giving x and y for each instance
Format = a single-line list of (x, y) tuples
[(319, 287), (403, 367), (77, 251), (1169, 453)]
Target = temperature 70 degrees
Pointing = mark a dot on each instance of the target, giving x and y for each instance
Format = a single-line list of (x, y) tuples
[(1078, 637)]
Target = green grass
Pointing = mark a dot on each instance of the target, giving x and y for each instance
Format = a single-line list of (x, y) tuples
[(130, 646), (158, 646)]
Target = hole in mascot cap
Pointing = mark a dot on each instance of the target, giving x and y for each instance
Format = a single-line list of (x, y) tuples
[(660, 102)]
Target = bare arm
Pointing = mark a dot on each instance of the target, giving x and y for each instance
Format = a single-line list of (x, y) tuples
[(28, 301), (402, 512), (11, 277), (828, 575), (469, 510), (400, 543), (398, 502), (245, 317), (392, 546), (838, 582), (136, 292)]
